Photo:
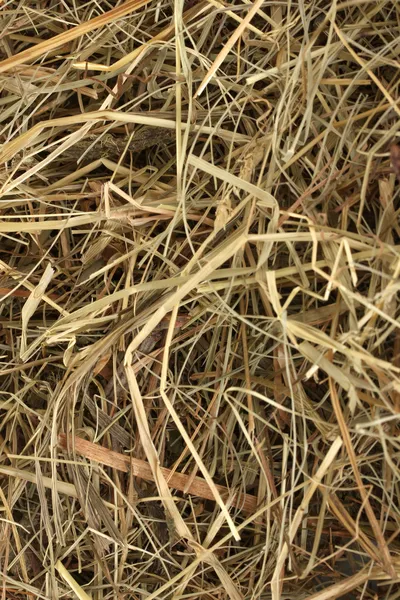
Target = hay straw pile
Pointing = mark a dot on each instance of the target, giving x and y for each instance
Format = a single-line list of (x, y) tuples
[(200, 345)]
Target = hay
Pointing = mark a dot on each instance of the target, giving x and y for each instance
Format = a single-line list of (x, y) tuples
[(200, 372)]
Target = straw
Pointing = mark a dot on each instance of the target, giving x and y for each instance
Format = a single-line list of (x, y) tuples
[(199, 283)]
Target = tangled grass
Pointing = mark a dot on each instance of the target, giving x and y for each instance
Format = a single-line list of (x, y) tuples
[(200, 345)]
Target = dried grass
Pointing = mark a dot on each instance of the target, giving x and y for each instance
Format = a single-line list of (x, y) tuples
[(200, 343)]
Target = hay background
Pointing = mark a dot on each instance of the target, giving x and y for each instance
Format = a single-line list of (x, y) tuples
[(200, 271)]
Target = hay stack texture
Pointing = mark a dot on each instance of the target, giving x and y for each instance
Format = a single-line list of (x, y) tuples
[(199, 283)]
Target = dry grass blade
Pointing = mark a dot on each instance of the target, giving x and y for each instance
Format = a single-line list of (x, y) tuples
[(46, 46), (199, 300), (229, 45), (82, 595)]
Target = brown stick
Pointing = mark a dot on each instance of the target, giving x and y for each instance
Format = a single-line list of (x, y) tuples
[(140, 468)]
